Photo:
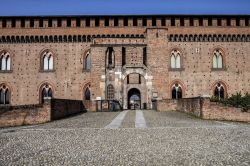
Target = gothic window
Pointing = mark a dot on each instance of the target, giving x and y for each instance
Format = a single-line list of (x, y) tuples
[(219, 91), (4, 95), (176, 91), (46, 92), (87, 94), (217, 59), (47, 60), (110, 92), (110, 57), (175, 59), (5, 61), (87, 63)]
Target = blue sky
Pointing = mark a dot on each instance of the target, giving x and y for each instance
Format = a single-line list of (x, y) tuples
[(121, 7)]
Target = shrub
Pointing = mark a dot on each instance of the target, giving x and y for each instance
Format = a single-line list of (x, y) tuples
[(236, 100)]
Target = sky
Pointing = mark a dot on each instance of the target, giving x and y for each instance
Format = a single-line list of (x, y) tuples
[(122, 7)]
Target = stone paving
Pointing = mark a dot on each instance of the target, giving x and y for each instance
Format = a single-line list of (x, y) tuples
[(171, 138)]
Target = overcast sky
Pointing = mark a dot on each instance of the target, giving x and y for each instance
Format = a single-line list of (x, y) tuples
[(121, 7)]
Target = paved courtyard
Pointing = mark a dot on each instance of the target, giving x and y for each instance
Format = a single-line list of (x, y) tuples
[(127, 138)]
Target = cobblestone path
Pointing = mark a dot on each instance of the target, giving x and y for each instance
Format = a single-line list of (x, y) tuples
[(139, 138)]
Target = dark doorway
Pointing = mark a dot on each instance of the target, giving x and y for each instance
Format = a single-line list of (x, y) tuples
[(134, 99)]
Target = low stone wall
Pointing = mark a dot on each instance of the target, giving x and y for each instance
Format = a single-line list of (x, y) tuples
[(61, 108), (40, 113), (190, 105), (24, 115), (203, 108), (218, 111), (165, 105)]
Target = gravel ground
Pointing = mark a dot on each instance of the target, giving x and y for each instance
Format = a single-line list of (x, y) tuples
[(171, 138)]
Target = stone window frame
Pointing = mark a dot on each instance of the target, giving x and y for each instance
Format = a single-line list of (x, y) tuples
[(6, 87), (41, 87), (42, 55), (181, 59), (223, 59), (84, 60), (180, 83), (223, 84), (10, 55)]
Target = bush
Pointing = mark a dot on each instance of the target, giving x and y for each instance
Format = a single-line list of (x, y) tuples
[(236, 100)]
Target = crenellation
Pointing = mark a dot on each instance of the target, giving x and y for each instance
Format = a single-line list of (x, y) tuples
[(233, 22), (54, 23), (242, 22), (177, 22), (214, 22), (45, 23), (92, 22), (64, 22), (73, 22), (36, 23), (186, 22), (130, 22), (9, 23), (196, 22), (168, 21), (27, 23), (149, 22)]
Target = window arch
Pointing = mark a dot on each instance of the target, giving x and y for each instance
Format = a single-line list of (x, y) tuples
[(47, 61), (46, 92), (175, 59), (220, 90), (177, 91), (4, 94), (110, 92), (87, 62), (217, 59), (5, 61)]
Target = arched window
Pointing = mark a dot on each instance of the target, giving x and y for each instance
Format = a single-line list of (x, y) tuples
[(175, 59), (47, 59), (110, 57), (46, 92), (176, 91), (87, 64), (219, 91), (87, 94), (217, 59), (110, 92), (4, 95), (5, 61)]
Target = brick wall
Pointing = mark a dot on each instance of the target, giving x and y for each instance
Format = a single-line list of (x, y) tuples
[(166, 105), (203, 108), (40, 113), (217, 111), (190, 105), (24, 115), (61, 108)]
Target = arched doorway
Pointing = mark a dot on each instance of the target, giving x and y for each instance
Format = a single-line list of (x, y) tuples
[(134, 99)]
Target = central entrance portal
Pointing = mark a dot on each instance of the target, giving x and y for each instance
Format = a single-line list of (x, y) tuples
[(134, 99)]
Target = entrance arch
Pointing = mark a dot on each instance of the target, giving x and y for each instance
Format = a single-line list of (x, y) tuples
[(134, 99)]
